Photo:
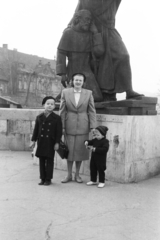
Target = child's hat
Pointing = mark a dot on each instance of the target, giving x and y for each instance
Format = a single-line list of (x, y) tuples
[(102, 129), (47, 98)]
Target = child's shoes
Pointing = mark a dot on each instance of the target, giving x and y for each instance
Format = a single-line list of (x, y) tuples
[(41, 182), (101, 185), (47, 183), (91, 183)]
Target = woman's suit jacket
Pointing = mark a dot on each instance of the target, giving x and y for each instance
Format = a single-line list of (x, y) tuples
[(77, 120)]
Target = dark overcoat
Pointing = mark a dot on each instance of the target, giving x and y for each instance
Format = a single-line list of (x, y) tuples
[(47, 132), (101, 148)]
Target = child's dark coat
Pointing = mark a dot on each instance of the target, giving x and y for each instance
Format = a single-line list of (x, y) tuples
[(101, 146), (47, 132), (98, 158)]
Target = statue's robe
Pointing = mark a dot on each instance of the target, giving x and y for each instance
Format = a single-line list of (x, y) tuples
[(73, 56), (114, 72)]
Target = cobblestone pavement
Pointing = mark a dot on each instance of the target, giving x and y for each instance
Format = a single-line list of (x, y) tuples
[(73, 211)]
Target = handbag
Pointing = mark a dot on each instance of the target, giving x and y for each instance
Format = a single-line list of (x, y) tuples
[(63, 150)]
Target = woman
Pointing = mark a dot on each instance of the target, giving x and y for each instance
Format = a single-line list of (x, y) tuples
[(78, 116)]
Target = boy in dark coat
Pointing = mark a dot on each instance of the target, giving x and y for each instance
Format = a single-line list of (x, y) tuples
[(47, 132), (99, 146)]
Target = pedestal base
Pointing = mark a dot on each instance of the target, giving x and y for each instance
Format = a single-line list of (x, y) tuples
[(134, 152), (137, 106)]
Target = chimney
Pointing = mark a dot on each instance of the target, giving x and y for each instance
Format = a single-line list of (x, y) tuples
[(5, 46), (40, 63)]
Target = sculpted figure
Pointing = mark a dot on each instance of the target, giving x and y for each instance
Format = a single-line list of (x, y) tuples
[(80, 44), (114, 71)]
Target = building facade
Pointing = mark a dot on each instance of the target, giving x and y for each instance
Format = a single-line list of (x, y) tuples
[(26, 78)]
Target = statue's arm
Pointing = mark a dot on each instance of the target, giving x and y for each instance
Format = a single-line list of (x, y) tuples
[(61, 63), (61, 68), (97, 41), (98, 46)]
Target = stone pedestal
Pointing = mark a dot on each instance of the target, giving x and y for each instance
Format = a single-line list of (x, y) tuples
[(134, 152), (137, 106)]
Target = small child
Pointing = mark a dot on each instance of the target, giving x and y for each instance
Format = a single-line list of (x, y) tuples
[(99, 146), (47, 132)]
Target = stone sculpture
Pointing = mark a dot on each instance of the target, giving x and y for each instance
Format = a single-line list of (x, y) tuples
[(79, 43), (111, 67)]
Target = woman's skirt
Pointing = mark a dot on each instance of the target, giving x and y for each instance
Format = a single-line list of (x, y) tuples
[(77, 149)]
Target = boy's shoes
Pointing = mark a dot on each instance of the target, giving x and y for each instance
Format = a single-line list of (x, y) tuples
[(90, 183), (101, 185), (47, 183), (78, 179), (41, 182), (66, 179)]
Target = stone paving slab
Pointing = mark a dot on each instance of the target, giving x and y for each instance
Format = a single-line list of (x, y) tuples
[(73, 211)]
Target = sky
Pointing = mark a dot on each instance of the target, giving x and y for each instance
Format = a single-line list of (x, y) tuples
[(35, 27)]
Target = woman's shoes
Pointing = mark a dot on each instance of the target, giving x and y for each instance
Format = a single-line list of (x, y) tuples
[(67, 179), (78, 179), (90, 183)]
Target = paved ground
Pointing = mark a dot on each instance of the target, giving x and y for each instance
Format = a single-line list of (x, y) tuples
[(73, 211)]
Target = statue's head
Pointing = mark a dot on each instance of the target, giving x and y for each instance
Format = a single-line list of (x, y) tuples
[(82, 20)]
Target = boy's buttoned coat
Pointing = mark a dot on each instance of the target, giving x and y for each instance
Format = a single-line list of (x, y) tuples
[(77, 121), (47, 132)]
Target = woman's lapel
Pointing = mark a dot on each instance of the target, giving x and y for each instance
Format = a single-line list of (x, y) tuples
[(82, 98), (71, 97)]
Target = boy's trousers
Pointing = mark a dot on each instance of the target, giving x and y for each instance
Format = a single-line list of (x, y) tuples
[(46, 166), (97, 166)]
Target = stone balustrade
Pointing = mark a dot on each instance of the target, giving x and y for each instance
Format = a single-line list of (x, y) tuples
[(134, 152)]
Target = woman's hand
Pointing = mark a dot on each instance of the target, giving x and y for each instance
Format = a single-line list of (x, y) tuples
[(56, 146), (92, 130)]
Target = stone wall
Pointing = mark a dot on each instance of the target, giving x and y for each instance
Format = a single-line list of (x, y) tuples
[(134, 152)]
